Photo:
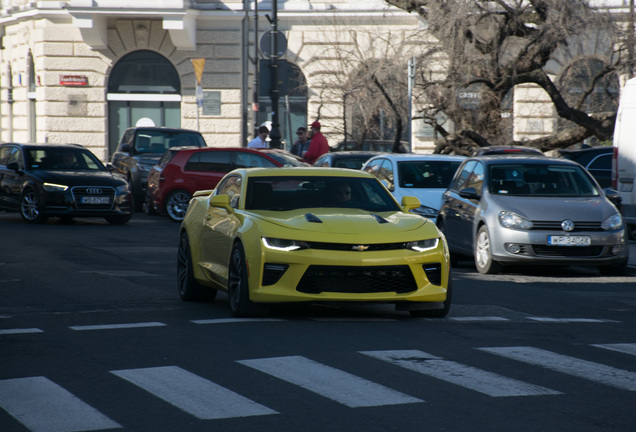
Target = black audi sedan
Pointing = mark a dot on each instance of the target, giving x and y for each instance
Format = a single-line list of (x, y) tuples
[(60, 180)]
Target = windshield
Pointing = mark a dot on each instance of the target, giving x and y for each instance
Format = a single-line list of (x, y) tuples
[(63, 159), (290, 193), (158, 141), (427, 174), (540, 180)]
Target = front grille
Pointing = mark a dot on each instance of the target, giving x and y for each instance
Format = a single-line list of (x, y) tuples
[(350, 247), (567, 251), (359, 280), (556, 225), (433, 273), (93, 197)]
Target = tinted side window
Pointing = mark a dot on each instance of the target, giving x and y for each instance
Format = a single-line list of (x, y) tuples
[(4, 154), (16, 157), (462, 176), (216, 161), (602, 162), (386, 173), (374, 167), (231, 186)]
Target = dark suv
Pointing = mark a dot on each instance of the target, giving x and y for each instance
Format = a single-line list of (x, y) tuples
[(141, 147)]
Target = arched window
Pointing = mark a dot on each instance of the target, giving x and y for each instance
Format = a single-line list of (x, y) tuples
[(142, 85)]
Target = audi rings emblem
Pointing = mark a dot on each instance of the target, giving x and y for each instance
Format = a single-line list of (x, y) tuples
[(94, 191), (567, 225)]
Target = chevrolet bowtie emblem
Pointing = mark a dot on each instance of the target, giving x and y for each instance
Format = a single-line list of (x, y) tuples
[(360, 248)]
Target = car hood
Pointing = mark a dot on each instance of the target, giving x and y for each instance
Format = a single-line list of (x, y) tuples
[(80, 178), (556, 208), (349, 224)]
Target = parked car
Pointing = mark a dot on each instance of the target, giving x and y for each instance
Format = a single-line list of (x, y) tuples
[(597, 160), (141, 147), (425, 176), (182, 171), (531, 210), (62, 180), (282, 222), (344, 159), (507, 150)]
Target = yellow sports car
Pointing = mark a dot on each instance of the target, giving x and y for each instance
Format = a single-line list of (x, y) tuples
[(274, 235)]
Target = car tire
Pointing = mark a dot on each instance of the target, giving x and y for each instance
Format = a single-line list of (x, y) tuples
[(631, 231), (238, 291), (483, 253), (118, 219), (437, 313), (188, 287), (614, 270), (31, 207), (177, 204)]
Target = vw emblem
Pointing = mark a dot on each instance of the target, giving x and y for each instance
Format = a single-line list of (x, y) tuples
[(567, 225), (94, 191), (360, 248)]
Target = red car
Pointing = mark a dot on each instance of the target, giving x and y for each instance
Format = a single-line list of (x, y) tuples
[(181, 171)]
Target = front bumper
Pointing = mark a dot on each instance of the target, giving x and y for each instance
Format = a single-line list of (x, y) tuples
[(329, 275), (606, 248), (76, 202)]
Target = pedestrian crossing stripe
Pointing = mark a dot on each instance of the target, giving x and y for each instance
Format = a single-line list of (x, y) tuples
[(591, 371), (348, 389), (469, 377), (625, 348), (193, 394), (43, 406)]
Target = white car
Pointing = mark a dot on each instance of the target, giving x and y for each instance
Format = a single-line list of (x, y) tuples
[(425, 176)]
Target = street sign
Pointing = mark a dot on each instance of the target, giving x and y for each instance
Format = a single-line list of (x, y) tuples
[(265, 44)]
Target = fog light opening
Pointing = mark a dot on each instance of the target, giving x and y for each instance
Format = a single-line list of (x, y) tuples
[(616, 249), (513, 248)]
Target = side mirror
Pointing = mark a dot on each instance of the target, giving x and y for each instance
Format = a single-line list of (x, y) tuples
[(13, 167), (125, 148), (613, 196), (222, 201), (469, 193), (409, 203)]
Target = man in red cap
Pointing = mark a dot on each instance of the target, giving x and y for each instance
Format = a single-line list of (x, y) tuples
[(318, 144)]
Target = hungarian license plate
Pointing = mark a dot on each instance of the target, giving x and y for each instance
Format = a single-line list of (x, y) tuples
[(95, 200), (569, 240)]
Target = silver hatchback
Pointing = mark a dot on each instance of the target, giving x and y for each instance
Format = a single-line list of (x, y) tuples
[(531, 210)]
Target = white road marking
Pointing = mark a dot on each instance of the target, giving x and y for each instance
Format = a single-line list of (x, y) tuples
[(626, 348), (193, 394), (569, 365), (329, 382), (20, 331), (465, 376), (43, 406), (117, 326), (235, 320), (570, 320), (478, 318)]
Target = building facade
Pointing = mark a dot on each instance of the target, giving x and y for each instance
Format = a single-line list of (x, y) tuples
[(82, 71)]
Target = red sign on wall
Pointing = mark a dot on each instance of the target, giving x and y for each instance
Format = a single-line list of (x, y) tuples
[(73, 80)]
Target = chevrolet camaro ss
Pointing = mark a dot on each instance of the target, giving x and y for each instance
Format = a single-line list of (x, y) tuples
[(277, 235)]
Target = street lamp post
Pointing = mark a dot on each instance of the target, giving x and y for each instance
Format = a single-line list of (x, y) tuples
[(274, 134)]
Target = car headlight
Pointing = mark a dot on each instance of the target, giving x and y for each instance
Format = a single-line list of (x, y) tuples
[(513, 220), (423, 245), (284, 245), (123, 188), (145, 167), (613, 222), (52, 187), (425, 211)]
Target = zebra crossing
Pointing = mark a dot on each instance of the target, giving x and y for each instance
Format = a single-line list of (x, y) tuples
[(41, 405)]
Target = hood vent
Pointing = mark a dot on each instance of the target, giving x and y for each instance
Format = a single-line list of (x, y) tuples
[(380, 219), (312, 218)]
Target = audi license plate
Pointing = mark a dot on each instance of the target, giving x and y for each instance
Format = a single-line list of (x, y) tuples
[(95, 200), (569, 240)]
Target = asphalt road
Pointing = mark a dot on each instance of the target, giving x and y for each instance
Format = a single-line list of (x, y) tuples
[(94, 337)]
